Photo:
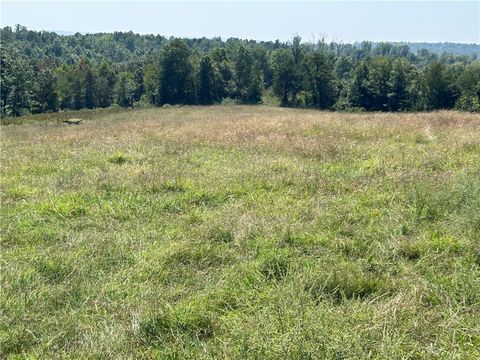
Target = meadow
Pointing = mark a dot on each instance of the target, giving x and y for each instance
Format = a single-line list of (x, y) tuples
[(240, 232)]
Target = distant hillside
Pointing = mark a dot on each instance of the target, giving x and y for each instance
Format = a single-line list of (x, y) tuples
[(439, 48), (63, 33)]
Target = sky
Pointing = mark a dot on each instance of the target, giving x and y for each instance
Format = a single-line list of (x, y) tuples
[(414, 21)]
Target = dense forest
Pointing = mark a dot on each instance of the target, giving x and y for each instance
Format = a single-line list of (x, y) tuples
[(46, 72), (444, 47)]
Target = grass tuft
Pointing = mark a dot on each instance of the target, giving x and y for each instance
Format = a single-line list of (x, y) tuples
[(118, 158), (276, 266)]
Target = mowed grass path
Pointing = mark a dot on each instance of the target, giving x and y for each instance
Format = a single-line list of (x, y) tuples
[(242, 233)]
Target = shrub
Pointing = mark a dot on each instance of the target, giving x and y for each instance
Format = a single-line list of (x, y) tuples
[(468, 103)]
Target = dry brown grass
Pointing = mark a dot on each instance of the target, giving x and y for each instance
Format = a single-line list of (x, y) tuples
[(281, 128)]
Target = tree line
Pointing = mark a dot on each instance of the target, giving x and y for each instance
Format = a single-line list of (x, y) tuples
[(45, 72)]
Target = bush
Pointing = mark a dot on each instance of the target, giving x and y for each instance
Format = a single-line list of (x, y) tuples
[(468, 103)]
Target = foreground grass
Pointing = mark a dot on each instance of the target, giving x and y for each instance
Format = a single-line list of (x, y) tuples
[(242, 232)]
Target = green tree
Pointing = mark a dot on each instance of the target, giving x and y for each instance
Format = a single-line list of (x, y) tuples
[(17, 80), (247, 77), (77, 88), (297, 51), (399, 85), (105, 85), (469, 85), (124, 89), (206, 82), (379, 69), (286, 78), (151, 83), (359, 93), (139, 86), (320, 80), (437, 87), (70, 86), (224, 83), (44, 97), (89, 83), (255, 89), (176, 74)]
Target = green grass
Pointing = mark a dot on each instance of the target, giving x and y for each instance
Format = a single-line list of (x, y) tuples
[(241, 232)]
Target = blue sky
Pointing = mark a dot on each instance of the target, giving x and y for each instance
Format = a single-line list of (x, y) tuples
[(437, 21)]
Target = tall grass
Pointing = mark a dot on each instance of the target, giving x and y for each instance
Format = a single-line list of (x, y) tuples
[(241, 232)]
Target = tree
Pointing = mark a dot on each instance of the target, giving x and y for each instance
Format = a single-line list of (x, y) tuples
[(89, 84), (206, 82), (286, 78), (70, 86), (262, 59), (320, 81), (138, 81), (105, 85), (297, 51), (44, 96), (437, 87), (379, 69), (255, 89), (16, 84), (243, 73), (247, 77), (124, 89), (359, 93), (176, 74), (343, 67), (151, 83), (399, 85), (224, 84), (379, 84), (64, 88), (469, 85)]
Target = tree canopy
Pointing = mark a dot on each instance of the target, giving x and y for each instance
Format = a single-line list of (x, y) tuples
[(46, 72)]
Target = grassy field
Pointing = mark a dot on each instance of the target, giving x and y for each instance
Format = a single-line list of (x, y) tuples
[(242, 233)]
